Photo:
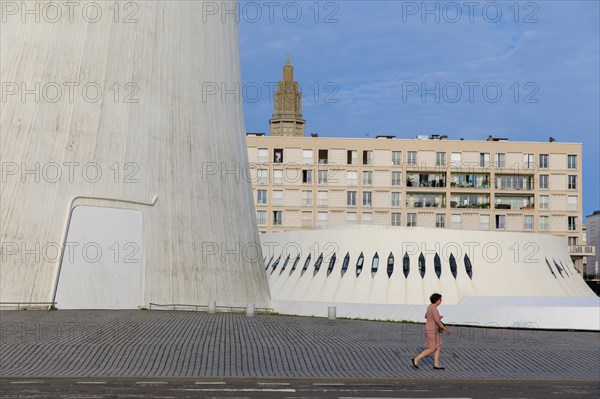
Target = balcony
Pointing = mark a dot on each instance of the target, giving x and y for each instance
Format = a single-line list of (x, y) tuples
[(582, 250)]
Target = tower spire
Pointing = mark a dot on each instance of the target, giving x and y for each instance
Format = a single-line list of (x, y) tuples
[(287, 114)]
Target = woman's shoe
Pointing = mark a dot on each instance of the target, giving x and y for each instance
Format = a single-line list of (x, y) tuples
[(439, 368), (412, 361)]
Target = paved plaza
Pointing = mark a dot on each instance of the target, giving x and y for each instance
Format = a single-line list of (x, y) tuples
[(155, 344)]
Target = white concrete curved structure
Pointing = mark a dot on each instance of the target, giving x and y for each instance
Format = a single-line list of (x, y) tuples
[(504, 279), (118, 129)]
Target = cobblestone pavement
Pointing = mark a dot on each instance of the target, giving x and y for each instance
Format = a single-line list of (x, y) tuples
[(189, 344)]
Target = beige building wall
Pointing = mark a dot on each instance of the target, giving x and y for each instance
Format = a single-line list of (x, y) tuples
[(524, 199)]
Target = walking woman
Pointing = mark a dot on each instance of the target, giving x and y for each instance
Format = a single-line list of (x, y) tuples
[(433, 334)]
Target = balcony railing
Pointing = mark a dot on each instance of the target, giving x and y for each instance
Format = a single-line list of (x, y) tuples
[(582, 250)]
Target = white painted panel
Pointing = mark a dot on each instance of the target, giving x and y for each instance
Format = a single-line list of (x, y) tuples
[(102, 261)]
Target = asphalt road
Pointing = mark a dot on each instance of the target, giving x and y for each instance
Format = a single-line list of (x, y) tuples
[(99, 388)]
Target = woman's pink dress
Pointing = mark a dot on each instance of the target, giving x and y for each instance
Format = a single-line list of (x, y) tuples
[(433, 339)]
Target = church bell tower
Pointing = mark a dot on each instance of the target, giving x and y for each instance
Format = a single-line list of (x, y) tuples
[(287, 115)]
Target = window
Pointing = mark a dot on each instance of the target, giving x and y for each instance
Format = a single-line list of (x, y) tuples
[(359, 264), (390, 265), (322, 198), (572, 240), (572, 223), (345, 263), (261, 197), (307, 219), (367, 178), (572, 161), (412, 158), (528, 222), (501, 160), (375, 263), (277, 199), (262, 176), (278, 155), (351, 178), (452, 262), (544, 201), (406, 264), (306, 176), (367, 198), (278, 176), (367, 218), (396, 178), (484, 222), (396, 219), (351, 198), (437, 265), (263, 155), (422, 265), (528, 161), (322, 178), (484, 159), (351, 218), (500, 222), (321, 218), (277, 218), (367, 157), (440, 159), (543, 182), (396, 199), (572, 182), (544, 223), (397, 158), (455, 221), (352, 157), (440, 220), (307, 156), (543, 164), (306, 198), (456, 160), (411, 219), (261, 218), (572, 203), (323, 156)]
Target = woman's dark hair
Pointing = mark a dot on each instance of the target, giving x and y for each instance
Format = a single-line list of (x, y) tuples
[(434, 298)]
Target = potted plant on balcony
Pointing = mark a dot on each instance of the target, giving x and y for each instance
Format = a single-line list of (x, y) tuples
[(409, 181)]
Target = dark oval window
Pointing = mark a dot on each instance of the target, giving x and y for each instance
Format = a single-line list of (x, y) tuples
[(452, 265), (318, 264), (287, 260), (406, 264), (331, 264), (558, 268), (275, 264), (422, 265), (468, 266), (390, 265), (437, 265), (550, 268), (359, 264), (268, 263), (345, 263), (375, 264), (295, 263), (306, 263)]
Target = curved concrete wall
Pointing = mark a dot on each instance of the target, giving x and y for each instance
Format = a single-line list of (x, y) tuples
[(151, 133), (510, 268)]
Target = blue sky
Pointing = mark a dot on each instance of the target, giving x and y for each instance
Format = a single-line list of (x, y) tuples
[(371, 67)]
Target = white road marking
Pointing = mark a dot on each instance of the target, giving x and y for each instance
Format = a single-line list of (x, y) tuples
[(273, 383), (91, 382), (152, 382), (235, 390), (210, 383), (329, 384), (27, 382)]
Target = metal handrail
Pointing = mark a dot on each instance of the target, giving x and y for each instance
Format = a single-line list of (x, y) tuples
[(196, 307)]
